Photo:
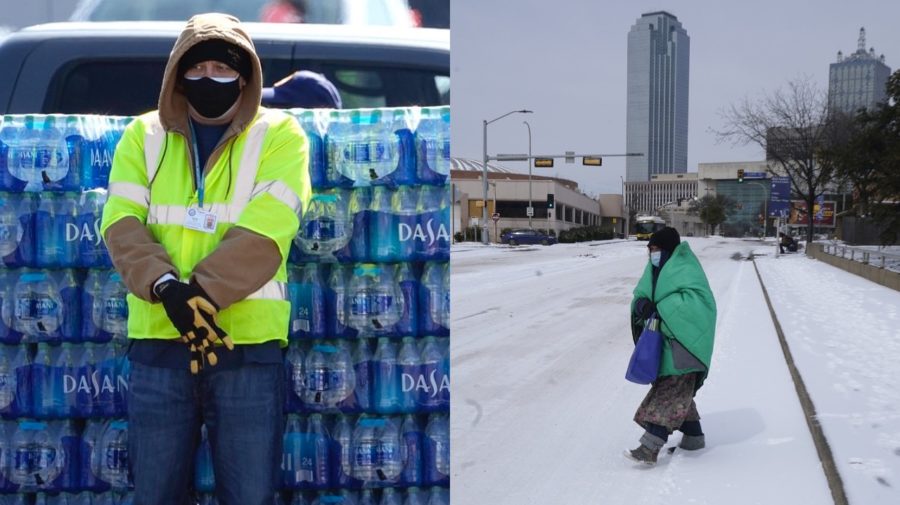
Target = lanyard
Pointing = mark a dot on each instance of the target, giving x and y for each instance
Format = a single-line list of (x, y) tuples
[(198, 171)]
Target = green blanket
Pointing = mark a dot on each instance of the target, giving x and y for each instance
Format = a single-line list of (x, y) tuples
[(687, 308)]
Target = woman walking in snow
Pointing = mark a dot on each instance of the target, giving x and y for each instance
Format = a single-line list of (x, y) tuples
[(674, 287)]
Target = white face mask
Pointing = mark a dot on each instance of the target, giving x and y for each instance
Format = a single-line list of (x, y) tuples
[(655, 256)]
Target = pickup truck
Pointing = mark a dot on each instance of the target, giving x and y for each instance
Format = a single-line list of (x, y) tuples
[(116, 68)]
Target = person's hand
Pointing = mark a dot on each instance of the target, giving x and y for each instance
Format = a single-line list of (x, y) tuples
[(644, 308), (194, 316)]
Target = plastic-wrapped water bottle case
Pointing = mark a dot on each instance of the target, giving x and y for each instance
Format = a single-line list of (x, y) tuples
[(368, 360)]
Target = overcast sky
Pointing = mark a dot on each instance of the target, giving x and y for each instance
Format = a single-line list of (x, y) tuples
[(566, 61)]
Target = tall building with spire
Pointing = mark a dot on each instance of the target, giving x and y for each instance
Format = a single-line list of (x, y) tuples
[(657, 109), (858, 80)]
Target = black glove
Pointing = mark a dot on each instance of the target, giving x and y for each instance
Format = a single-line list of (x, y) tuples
[(194, 316), (644, 308)]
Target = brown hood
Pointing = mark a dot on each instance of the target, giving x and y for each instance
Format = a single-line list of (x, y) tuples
[(173, 106)]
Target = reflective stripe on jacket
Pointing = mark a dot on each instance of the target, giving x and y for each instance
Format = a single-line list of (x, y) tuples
[(259, 182)]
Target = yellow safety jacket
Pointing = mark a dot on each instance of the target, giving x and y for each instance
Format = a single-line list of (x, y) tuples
[(258, 183)]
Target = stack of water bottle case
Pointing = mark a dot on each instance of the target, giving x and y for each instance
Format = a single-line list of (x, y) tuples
[(367, 410)]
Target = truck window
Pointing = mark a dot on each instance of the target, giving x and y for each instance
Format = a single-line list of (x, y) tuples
[(105, 87)]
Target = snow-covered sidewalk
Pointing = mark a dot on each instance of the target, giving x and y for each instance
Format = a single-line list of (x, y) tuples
[(844, 335)]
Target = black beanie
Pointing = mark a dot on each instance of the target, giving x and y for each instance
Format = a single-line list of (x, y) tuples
[(217, 50), (666, 239)]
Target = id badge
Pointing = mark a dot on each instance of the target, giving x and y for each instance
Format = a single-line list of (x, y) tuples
[(200, 220)]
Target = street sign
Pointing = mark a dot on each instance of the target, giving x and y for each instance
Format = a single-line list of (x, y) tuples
[(592, 161), (570, 156), (530, 212), (754, 175), (543, 162), (495, 216), (512, 157), (780, 197)]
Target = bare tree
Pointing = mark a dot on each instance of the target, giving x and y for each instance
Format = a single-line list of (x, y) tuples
[(792, 126)]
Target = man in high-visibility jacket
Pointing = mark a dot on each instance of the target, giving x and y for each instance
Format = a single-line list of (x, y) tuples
[(204, 199)]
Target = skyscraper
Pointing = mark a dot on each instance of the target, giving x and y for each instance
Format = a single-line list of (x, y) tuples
[(657, 117), (857, 81)]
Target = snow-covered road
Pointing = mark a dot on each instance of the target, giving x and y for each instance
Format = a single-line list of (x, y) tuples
[(541, 410)]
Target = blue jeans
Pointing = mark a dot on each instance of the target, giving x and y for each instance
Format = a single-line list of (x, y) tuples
[(242, 410)]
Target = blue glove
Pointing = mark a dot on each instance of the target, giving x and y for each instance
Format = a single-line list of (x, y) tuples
[(644, 308)]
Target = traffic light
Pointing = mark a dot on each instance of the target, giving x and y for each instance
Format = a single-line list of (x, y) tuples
[(740, 175), (550, 202)]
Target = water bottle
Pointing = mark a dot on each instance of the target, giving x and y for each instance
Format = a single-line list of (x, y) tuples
[(204, 477), (82, 383), (310, 317), (66, 222), (21, 140), (126, 499), (64, 374), (18, 499), (49, 399), (439, 496), (411, 451), (357, 250), (107, 498), (123, 379), (362, 367), (82, 498), (16, 392), (408, 324), (294, 473), (361, 147), (376, 452), (295, 376), (432, 241), (10, 133), (334, 499), (101, 136), (342, 389), (208, 499), (16, 229), (90, 457), (386, 383), (111, 386), (92, 252), (415, 496), (388, 453), (114, 455), (409, 367), (37, 458), (433, 146), (38, 309), (115, 307), (92, 307), (390, 496), (436, 454), (318, 442), (375, 301), (69, 443), (341, 455), (6, 457), (393, 224), (314, 124), (48, 241), (337, 304), (434, 300), (70, 298), (434, 395), (51, 160), (74, 145), (326, 226), (8, 334), (318, 375)]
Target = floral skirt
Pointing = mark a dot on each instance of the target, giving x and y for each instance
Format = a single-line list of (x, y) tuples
[(669, 403)]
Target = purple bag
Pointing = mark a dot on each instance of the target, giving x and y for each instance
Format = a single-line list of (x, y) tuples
[(643, 368)]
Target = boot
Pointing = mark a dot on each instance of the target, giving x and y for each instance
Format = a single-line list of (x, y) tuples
[(648, 451), (692, 442)]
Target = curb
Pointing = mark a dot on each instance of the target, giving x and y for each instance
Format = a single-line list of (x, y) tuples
[(835, 484)]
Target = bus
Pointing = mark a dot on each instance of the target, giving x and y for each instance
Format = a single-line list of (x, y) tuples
[(647, 225)]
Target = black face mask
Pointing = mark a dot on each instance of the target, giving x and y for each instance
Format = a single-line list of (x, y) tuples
[(210, 98)]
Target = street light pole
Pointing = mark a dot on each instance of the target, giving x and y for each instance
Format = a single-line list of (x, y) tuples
[(484, 187), (530, 163)]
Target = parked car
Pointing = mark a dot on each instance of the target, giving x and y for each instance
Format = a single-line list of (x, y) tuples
[(354, 12), (516, 237), (117, 67)]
